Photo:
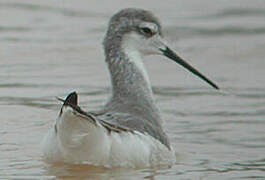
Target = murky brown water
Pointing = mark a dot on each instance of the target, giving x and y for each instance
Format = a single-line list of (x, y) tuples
[(50, 48)]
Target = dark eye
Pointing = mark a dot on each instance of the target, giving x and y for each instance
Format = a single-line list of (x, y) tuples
[(147, 31)]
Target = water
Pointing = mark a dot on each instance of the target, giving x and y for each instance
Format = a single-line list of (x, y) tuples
[(50, 48)]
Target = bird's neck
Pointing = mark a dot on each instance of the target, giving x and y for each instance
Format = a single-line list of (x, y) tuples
[(129, 77), (131, 88)]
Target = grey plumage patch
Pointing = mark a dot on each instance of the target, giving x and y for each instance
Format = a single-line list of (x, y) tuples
[(135, 120), (55, 128)]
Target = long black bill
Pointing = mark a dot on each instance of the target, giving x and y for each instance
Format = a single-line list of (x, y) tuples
[(172, 55)]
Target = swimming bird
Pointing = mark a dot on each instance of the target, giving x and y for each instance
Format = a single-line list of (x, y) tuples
[(128, 131)]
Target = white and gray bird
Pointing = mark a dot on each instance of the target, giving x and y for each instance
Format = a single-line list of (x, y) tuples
[(128, 131)]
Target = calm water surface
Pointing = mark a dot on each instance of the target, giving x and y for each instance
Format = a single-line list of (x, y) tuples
[(50, 48)]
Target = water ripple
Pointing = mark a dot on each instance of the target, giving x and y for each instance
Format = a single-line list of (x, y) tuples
[(248, 93), (14, 28), (42, 8), (239, 12), (260, 113), (187, 32)]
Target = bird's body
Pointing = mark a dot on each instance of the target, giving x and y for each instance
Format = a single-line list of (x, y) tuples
[(78, 140), (128, 131)]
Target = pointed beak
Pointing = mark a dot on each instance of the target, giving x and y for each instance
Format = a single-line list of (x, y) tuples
[(166, 51)]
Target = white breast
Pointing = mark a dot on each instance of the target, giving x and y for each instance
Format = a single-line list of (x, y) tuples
[(81, 142)]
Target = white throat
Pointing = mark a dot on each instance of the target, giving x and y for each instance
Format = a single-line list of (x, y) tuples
[(130, 46)]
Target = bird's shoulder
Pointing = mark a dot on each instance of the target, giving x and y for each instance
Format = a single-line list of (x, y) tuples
[(133, 122)]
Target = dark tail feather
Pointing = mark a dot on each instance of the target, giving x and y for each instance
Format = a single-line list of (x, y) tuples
[(71, 99)]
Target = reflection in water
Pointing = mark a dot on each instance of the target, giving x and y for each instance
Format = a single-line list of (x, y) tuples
[(66, 171)]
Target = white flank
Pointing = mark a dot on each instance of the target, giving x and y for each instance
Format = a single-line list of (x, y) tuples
[(79, 141), (130, 45)]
